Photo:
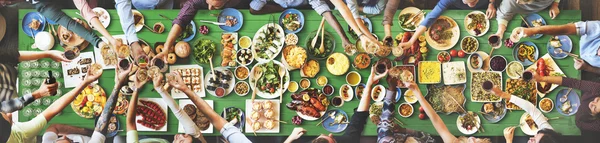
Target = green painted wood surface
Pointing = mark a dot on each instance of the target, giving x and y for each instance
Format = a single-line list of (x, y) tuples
[(252, 23)]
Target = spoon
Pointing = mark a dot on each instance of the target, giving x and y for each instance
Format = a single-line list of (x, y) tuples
[(281, 75), (331, 115), (322, 48), (561, 51), (212, 69), (564, 98), (314, 40), (257, 74)]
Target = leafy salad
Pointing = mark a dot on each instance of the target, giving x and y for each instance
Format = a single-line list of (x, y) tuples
[(204, 50), (270, 80)]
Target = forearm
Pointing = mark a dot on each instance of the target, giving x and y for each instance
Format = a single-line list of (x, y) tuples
[(52, 12), (61, 129), (418, 32), (345, 12), (365, 30), (529, 108), (32, 55), (437, 122), (175, 32), (585, 86), (214, 118), (131, 110), (108, 108), (15, 104), (375, 9), (552, 79), (126, 18), (332, 21), (63, 101), (389, 13), (388, 30), (566, 29), (188, 125), (590, 68)]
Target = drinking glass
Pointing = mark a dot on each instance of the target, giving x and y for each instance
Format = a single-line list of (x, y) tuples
[(27, 82), (56, 74), (47, 101), (55, 65), (58, 92), (26, 91), (27, 74), (37, 111), (25, 64), (27, 112), (44, 64), (34, 64), (36, 102)]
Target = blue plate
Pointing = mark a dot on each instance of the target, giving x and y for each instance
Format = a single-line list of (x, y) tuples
[(567, 46), (28, 18), (113, 133), (495, 118), (573, 97), (300, 19), (239, 124), (530, 18), (336, 128), (231, 12), (368, 21), (189, 38), (398, 94), (526, 62)]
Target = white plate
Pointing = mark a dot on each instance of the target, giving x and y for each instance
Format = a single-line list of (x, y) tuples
[(279, 91), (483, 56), (76, 79), (276, 108), (525, 128), (278, 43), (350, 93), (163, 106), (551, 65), (413, 10), (182, 104), (139, 27), (452, 41), (451, 71), (381, 94), (98, 52), (463, 130), (468, 20), (200, 93), (210, 75), (412, 99), (104, 19)]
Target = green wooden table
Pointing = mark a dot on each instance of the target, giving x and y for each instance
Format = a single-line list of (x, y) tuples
[(252, 23)]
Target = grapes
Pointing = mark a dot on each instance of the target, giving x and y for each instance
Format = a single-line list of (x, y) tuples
[(203, 29), (296, 120)]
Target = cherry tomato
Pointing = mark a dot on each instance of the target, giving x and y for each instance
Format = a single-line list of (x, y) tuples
[(453, 53), (461, 54)]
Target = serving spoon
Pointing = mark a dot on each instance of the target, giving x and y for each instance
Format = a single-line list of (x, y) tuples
[(561, 51), (314, 40), (281, 75), (257, 74)]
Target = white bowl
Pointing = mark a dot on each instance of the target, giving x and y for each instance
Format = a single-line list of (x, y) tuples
[(381, 94), (350, 92), (412, 110), (241, 82), (241, 67), (359, 79), (551, 107)]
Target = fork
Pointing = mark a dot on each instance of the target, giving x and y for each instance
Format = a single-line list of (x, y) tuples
[(212, 22), (561, 51)]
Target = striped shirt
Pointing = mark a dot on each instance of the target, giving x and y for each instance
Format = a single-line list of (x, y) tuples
[(8, 90)]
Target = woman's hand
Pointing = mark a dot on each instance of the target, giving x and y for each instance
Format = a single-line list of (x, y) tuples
[(578, 64), (374, 76), (491, 11), (509, 134), (158, 81), (175, 80), (296, 134), (57, 56), (498, 92), (122, 74), (536, 77)]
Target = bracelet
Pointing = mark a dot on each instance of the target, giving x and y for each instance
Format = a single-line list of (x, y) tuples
[(361, 34)]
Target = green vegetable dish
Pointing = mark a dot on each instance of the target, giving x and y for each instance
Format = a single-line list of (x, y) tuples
[(328, 44), (270, 80), (402, 20), (268, 42), (188, 31), (291, 22), (204, 50)]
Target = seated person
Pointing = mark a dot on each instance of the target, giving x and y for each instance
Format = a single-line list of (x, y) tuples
[(152, 4), (26, 132), (9, 102), (263, 7), (546, 133), (123, 8), (439, 9), (437, 122), (357, 123), (58, 133), (356, 23), (231, 133), (588, 44), (372, 7), (510, 8)]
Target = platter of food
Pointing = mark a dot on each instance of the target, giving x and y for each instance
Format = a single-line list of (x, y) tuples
[(478, 94), (561, 41), (338, 64), (468, 123), (405, 21), (235, 116), (199, 118), (336, 123), (292, 20), (346, 92), (138, 20), (409, 97), (232, 18), (107, 57), (443, 34), (406, 73), (528, 125), (534, 20), (75, 71), (204, 49), (476, 23), (315, 51), (293, 57), (358, 90), (193, 76), (33, 23), (122, 104), (546, 66), (526, 52), (378, 93), (362, 61), (498, 63), (523, 89), (430, 72), (469, 44), (567, 102), (230, 47), (90, 102), (269, 79), (188, 33), (241, 72), (446, 99), (309, 104), (514, 70), (267, 42), (493, 112), (103, 16), (151, 115), (221, 83), (291, 39), (454, 73), (264, 116), (242, 88), (417, 52)]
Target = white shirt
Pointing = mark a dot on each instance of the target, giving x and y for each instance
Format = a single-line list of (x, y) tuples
[(51, 137)]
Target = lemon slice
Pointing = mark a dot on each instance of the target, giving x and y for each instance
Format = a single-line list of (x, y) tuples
[(77, 102), (305, 97), (423, 44), (421, 38), (89, 104), (424, 50), (90, 97)]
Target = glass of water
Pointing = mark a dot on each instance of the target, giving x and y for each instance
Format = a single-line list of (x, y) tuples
[(27, 74), (47, 101), (58, 92), (55, 65), (34, 64), (27, 112), (56, 74), (36, 103), (25, 64), (44, 64), (27, 82), (26, 91), (37, 111)]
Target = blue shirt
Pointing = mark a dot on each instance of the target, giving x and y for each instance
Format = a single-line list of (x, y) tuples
[(445, 4), (589, 41)]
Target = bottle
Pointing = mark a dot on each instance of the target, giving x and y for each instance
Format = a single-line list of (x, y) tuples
[(51, 80)]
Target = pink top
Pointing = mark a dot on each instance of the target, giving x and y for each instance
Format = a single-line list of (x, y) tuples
[(85, 9)]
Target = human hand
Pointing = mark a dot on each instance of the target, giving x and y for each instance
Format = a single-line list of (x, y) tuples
[(161, 55), (498, 92), (158, 81), (509, 134), (392, 83), (374, 76), (46, 89), (92, 76), (139, 83), (297, 133), (405, 45), (411, 85), (578, 64), (536, 77), (122, 74), (137, 50), (490, 12), (57, 56), (554, 11), (519, 33), (174, 79)]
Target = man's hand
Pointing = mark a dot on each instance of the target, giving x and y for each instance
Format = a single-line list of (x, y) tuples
[(578, 64), (176, 82), (139, 83), (509, 134), (46, 89), (92, 76), (554, 11), (137, 50), (57, 56), (491, 11), (162, 55), (122, 74), (412, 85), (519, 33), (537, 77), (296, 134)]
